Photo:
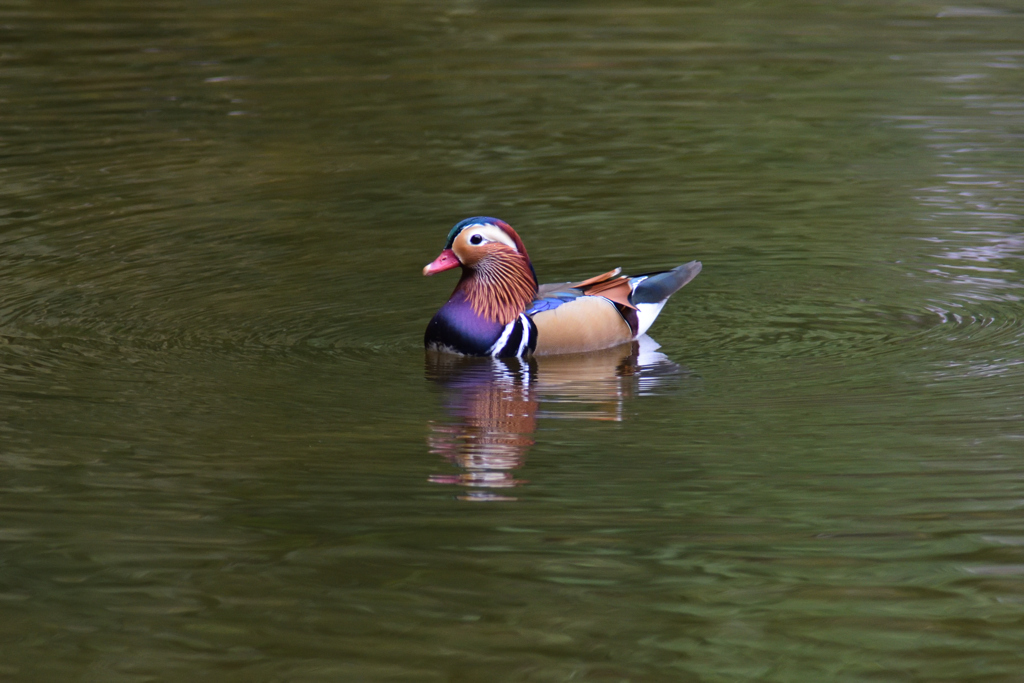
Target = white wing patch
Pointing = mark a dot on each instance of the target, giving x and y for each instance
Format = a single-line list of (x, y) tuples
[(646, 315)]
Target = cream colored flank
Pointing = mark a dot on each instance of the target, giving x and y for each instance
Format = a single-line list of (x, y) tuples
[(586, 324)]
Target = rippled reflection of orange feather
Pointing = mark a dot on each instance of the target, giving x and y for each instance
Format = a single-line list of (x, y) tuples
[(493, 406)]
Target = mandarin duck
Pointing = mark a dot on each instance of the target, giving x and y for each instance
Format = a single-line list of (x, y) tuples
[(498, 309)]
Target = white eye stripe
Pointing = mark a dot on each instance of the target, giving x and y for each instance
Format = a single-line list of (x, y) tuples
[(490, 233)]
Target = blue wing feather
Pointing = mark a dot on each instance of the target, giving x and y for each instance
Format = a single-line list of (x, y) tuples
[(550, 302)]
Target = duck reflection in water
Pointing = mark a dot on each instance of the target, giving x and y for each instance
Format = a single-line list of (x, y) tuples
[(493, 405)]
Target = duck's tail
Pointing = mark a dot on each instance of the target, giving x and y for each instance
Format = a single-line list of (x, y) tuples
[(652, 290)]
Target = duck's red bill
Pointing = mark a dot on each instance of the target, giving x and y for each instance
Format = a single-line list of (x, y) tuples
[(446, 261)]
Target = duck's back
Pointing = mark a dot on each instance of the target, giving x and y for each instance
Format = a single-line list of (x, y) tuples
[(603, 311), (585, 323), (570, 320)]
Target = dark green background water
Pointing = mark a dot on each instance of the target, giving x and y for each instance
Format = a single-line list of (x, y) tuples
[(224, 458)]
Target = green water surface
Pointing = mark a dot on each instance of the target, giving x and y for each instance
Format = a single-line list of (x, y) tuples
[(224, 456)]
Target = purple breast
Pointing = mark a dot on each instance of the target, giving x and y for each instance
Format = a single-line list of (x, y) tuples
[(458, 327)]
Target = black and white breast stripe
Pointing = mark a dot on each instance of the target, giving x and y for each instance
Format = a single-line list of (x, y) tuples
[(518, 339)]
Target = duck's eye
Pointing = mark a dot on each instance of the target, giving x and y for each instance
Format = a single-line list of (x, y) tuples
[(476, 239)]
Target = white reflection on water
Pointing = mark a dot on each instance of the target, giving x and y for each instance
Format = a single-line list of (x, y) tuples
[(981, 265), (493, 405)]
